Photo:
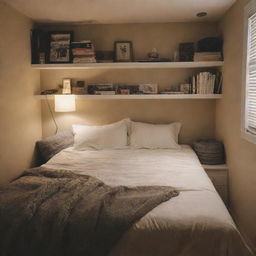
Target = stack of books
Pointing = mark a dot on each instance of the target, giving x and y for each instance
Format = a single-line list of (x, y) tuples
[(83, 52), (206, 83), (101, 89), (207, 56)]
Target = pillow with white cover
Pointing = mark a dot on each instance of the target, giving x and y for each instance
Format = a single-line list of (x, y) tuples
[(111, 136), (154, 136)]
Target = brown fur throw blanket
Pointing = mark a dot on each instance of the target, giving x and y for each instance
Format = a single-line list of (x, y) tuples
[(56, 212)]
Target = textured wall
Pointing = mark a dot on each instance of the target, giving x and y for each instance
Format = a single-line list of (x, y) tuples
[(20, 115), (198, 117), (241, 154)]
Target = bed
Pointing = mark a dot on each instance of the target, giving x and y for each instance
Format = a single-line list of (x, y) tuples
[(194, 223)]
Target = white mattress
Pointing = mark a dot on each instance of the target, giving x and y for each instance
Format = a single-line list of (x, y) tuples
[(193, 224)]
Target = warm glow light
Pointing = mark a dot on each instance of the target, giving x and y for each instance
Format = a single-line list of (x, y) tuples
[(65, 103)]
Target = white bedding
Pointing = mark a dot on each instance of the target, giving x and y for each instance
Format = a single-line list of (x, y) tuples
[(193, 224)]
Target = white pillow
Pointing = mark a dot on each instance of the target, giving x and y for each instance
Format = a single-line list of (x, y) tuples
[(154, 136), (111, 136)]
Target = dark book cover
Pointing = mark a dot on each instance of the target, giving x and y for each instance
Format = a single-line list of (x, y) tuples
[(38, 45)]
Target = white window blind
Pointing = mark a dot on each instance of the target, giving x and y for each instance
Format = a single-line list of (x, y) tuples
[(250, 94)]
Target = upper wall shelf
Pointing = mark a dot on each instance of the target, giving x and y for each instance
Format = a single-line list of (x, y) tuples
[(131, 65)]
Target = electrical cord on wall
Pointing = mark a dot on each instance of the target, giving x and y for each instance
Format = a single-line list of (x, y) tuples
[(50, 109)]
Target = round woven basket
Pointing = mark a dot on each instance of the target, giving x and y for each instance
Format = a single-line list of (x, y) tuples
[(210, 151)]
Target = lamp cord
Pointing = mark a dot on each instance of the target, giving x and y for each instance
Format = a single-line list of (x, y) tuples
[(50, 109)]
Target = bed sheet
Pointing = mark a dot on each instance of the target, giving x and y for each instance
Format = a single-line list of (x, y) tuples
[(194, 223)]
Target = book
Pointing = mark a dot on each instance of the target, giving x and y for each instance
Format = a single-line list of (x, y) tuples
[(171, 92), (105, 92), (82, 44), (93, 88), (83, 52), (218, 83), (193, 85), (207, 56), (84, 60), (206, 83)]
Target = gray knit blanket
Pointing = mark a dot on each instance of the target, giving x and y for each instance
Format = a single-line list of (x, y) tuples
[(55, 212)]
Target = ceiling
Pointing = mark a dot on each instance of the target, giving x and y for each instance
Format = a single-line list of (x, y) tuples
[(121, 11)]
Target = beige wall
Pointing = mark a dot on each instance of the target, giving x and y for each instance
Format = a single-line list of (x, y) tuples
[(198, 117), (241, 154), (20, 116), (164, 36)]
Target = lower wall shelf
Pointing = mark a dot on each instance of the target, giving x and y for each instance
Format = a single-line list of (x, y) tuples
[(132, 65), (141, 97)]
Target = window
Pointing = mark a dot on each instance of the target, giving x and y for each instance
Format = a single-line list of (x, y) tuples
[(249, 89)]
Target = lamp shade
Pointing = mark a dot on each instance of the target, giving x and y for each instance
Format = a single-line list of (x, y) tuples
[(65, 103)]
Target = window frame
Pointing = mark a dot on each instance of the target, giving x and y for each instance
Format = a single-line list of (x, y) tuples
[(249, 10)]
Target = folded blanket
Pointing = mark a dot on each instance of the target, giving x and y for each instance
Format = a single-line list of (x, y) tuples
[(55, 212)]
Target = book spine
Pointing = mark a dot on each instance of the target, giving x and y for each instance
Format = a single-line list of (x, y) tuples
[(105, 92), (193, 85), (82, 45), (198, 84), (82, 51)]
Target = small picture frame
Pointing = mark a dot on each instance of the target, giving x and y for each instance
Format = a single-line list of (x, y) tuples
[(185, 88), (66, 86), (125, 91), (148, 88), (59, 47), (123, 51)]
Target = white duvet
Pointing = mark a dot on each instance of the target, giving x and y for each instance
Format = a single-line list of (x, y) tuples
[(195, 223)]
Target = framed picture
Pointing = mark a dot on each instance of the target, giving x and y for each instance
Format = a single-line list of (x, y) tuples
[(66, 86), (148, 88), (59, 47), (124, 91), (123, 51), (185, 88)]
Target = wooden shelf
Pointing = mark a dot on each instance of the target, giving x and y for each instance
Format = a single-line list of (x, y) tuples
[(141, 97), (131, 65)]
